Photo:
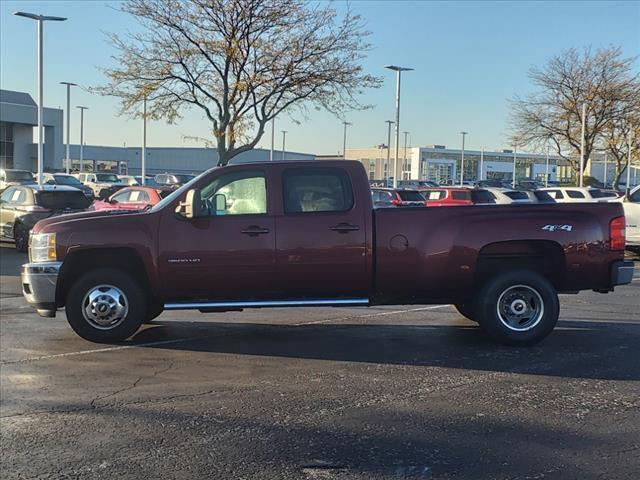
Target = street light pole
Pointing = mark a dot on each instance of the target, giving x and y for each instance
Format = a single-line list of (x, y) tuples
[(398, 71), (513, 182), (628, 189), (481, 163), (82, 109), (284, 137), (605, 169), (386, 177), (546, 175), (143, 161), (273, 136), (40, 19), (344, 140), (404, 157), (69, 85), (464, 134), (584, 116)]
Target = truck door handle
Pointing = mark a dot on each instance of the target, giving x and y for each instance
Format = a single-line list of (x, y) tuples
[(254, 231), (344, 228)]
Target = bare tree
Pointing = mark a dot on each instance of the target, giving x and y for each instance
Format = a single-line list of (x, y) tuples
[(242, 62), (602, 80), (616, 138)]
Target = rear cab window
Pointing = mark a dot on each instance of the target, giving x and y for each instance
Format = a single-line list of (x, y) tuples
[(315, 190)]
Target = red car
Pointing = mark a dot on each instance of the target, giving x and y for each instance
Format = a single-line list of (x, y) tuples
[(452, 196), (132, 198)]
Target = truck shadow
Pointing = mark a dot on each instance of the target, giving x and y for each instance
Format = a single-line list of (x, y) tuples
[(576, 349)]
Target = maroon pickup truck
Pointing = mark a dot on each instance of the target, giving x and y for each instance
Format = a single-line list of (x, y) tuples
[(287, 234)]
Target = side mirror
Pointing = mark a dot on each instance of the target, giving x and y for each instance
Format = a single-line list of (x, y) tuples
[(192, 205), (220, 202)]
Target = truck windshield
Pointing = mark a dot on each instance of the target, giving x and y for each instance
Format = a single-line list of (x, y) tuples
[(107, 177), (63, 200), (67, 180)]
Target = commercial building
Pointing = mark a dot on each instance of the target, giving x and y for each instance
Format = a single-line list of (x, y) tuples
[(442, 165), (18, 121)]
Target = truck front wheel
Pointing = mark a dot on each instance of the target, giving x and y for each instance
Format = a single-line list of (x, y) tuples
[(518, 308), (105, 305)]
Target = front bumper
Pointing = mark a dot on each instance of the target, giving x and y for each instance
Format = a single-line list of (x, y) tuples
[(39, 281), (621, 273)]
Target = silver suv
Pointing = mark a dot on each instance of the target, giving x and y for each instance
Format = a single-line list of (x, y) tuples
[(10, 177)]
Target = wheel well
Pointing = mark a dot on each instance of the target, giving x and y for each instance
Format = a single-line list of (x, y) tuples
[(78, 263), (544, 257)]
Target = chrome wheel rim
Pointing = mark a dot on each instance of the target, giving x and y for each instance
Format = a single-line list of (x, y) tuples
[(520, 308), (105, 307)]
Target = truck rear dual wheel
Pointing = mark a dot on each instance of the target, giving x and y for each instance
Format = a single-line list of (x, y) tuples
[(517, 308), (106, 305)]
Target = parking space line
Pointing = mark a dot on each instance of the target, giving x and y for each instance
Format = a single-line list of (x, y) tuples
[(369, 315), (100, 350)]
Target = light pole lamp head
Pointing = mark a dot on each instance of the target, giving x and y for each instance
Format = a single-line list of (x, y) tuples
[(81, 107), (34, 16), (69, 84), (396, 68), (464, 133)]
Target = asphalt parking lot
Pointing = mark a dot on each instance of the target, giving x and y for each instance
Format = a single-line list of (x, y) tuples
[(323, 393)]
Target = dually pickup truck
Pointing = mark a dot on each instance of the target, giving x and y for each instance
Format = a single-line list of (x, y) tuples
[(290, 234)]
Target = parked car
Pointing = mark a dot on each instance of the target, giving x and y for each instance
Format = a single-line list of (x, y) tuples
[(579, 194), (631, 206), (173, 180), (492, 183), (23, 205), (285, 234), (149, 181), (509, 196), (390, 197), (103, 184), (9, 177), (132, 198), (528, 184), (69, 181), (129, 180), (457, 196), (416, 184)]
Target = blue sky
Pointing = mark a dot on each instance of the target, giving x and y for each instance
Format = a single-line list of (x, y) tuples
[(469, 58)]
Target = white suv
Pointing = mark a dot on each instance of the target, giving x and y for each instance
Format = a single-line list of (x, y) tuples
[(579, 194)]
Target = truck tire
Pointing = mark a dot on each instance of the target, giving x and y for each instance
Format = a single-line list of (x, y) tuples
[(154, 310), (518, 307), (106, 305), (467, 310)]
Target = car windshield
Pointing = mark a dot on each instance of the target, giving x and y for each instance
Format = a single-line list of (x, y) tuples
[(59, 200), (148, 182), (66, 180), (107, 177), (176, 193), (18, 175)]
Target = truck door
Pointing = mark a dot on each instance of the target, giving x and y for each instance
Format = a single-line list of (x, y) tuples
[(321, 235), (228, 254)]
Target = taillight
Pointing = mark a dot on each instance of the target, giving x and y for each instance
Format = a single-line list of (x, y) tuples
[(395, 201), (616, 233)]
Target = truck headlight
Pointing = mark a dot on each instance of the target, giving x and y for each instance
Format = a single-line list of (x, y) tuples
[(42, 247)]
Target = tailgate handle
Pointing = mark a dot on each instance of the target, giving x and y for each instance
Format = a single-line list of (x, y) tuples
[(344, 228), (254, 231)]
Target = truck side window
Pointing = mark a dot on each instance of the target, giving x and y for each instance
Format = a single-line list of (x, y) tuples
[(245, 193), (316, 190)]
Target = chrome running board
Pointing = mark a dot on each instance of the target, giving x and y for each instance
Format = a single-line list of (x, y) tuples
[(268, 303)]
